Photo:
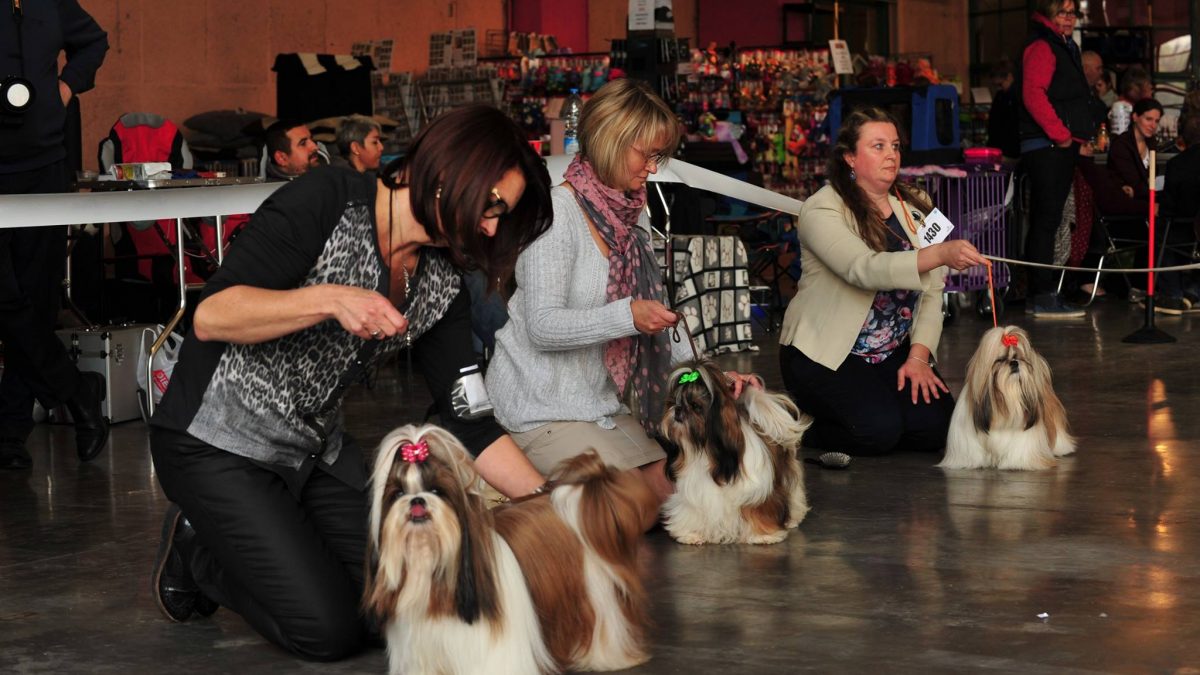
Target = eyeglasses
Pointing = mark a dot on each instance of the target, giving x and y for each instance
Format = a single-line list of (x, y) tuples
[(1073, 14), (658, 158), (495, 207)]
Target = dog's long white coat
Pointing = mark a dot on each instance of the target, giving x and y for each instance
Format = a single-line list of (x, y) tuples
[(1007, 444), (700, 511), (419, 645), (614, 646)]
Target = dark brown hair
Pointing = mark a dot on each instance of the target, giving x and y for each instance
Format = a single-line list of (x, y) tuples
[(277, 138), (463, 153), (871, 225)]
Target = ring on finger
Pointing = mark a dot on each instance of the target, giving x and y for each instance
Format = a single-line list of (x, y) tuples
[(376, 333)]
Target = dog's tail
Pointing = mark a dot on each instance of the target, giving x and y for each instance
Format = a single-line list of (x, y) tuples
[(614, 506), (775, 416), (609, 510)]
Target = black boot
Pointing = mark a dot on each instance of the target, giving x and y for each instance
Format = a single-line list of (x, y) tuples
[(13, 455), (91, 426), (172, 584)]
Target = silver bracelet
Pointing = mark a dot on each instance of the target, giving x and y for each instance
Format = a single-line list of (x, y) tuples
[(920, 360)]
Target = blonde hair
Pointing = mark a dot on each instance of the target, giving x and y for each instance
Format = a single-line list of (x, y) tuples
[(624, 113)]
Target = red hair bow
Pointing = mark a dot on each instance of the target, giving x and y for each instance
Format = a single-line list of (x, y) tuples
[(1009, 340), (415, 452)]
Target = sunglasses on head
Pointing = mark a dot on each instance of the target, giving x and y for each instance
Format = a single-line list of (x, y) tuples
[(496, 206)]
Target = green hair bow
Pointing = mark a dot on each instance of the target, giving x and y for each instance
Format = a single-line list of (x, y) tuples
[(691, 376)]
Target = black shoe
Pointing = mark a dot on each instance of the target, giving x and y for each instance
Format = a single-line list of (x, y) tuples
[(91, 426), (172, 584), (13, 456), (1169, 305)]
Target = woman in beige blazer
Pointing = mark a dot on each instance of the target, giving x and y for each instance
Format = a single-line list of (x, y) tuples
[(858, 339)]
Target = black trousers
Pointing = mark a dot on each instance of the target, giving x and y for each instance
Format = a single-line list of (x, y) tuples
[(291, 566), (857, 409), (1050, 172), (32, 263)]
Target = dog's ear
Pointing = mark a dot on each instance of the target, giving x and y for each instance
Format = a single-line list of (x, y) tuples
[(1032, 404), (475, 593), (725, 440), (982, 413), (673, 454)]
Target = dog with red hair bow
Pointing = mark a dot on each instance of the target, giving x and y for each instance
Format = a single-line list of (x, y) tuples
[(544, 584), (1007, 416)]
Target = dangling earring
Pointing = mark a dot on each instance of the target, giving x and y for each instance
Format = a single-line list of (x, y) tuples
[(853, 176)]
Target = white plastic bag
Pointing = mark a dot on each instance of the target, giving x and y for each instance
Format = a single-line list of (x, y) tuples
[(164, 360)]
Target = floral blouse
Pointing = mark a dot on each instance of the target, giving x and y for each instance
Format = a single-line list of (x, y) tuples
[(890, 317)]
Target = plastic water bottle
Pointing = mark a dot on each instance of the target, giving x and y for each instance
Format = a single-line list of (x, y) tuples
[(571, 109)]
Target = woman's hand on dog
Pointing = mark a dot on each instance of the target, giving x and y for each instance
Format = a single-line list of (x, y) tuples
[(738, 382), (366, 313), (925, 383), (651, 317)]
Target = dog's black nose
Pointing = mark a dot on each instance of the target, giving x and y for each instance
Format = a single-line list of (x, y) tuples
[(417, 501), (1014, 366)]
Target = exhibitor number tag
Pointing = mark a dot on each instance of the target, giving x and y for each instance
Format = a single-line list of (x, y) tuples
[(935, 229)]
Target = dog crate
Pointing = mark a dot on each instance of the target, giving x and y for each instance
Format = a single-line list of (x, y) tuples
[(977, 203)]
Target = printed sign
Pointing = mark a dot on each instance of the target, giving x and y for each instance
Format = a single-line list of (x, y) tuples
[(641, 14), (842, 63), (935, 229)]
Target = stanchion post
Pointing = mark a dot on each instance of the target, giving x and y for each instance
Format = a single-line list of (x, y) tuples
[(1148, 334)]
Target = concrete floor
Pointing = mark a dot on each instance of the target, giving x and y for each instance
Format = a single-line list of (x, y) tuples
[(898, 568)]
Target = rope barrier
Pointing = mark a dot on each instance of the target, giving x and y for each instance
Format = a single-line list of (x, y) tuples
[(1118, 270)]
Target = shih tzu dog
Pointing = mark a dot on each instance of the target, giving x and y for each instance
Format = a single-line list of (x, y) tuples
[(545, 584), (1008, 416), (737, 477)]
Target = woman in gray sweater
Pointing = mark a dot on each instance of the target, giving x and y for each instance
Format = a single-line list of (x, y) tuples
[(588, 326)]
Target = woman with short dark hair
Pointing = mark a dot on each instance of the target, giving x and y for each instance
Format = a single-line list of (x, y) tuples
[(334, 271)]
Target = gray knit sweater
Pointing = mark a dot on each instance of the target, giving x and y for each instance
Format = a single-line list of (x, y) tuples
[(549, 360)]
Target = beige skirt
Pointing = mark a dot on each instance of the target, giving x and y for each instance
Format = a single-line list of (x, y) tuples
[(625, 447)]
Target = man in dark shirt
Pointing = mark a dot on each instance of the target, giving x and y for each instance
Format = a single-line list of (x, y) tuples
[(32, 161), (291, 150)]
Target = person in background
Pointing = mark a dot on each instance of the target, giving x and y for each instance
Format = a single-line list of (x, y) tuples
[(291, 151), (1129, 156), (1106, 88), (359, 142), (1135, 86), (1093, 72), (858, 343), (1178, 292), (1004, 115), (1056, 126), (32, 264), (334, 272)]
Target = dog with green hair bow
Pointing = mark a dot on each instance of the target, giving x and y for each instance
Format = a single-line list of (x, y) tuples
[(733, 458)]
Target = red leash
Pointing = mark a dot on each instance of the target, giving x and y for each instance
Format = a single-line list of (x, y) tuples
[(992, 293)]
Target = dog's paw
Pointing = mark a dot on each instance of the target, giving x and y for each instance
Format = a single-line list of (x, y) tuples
[(768, 538), (689, 538)]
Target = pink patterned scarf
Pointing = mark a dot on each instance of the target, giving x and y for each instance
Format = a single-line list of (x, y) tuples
[(643, 360)]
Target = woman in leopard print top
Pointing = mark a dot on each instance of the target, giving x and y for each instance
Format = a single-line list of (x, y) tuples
[(333, 271)]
